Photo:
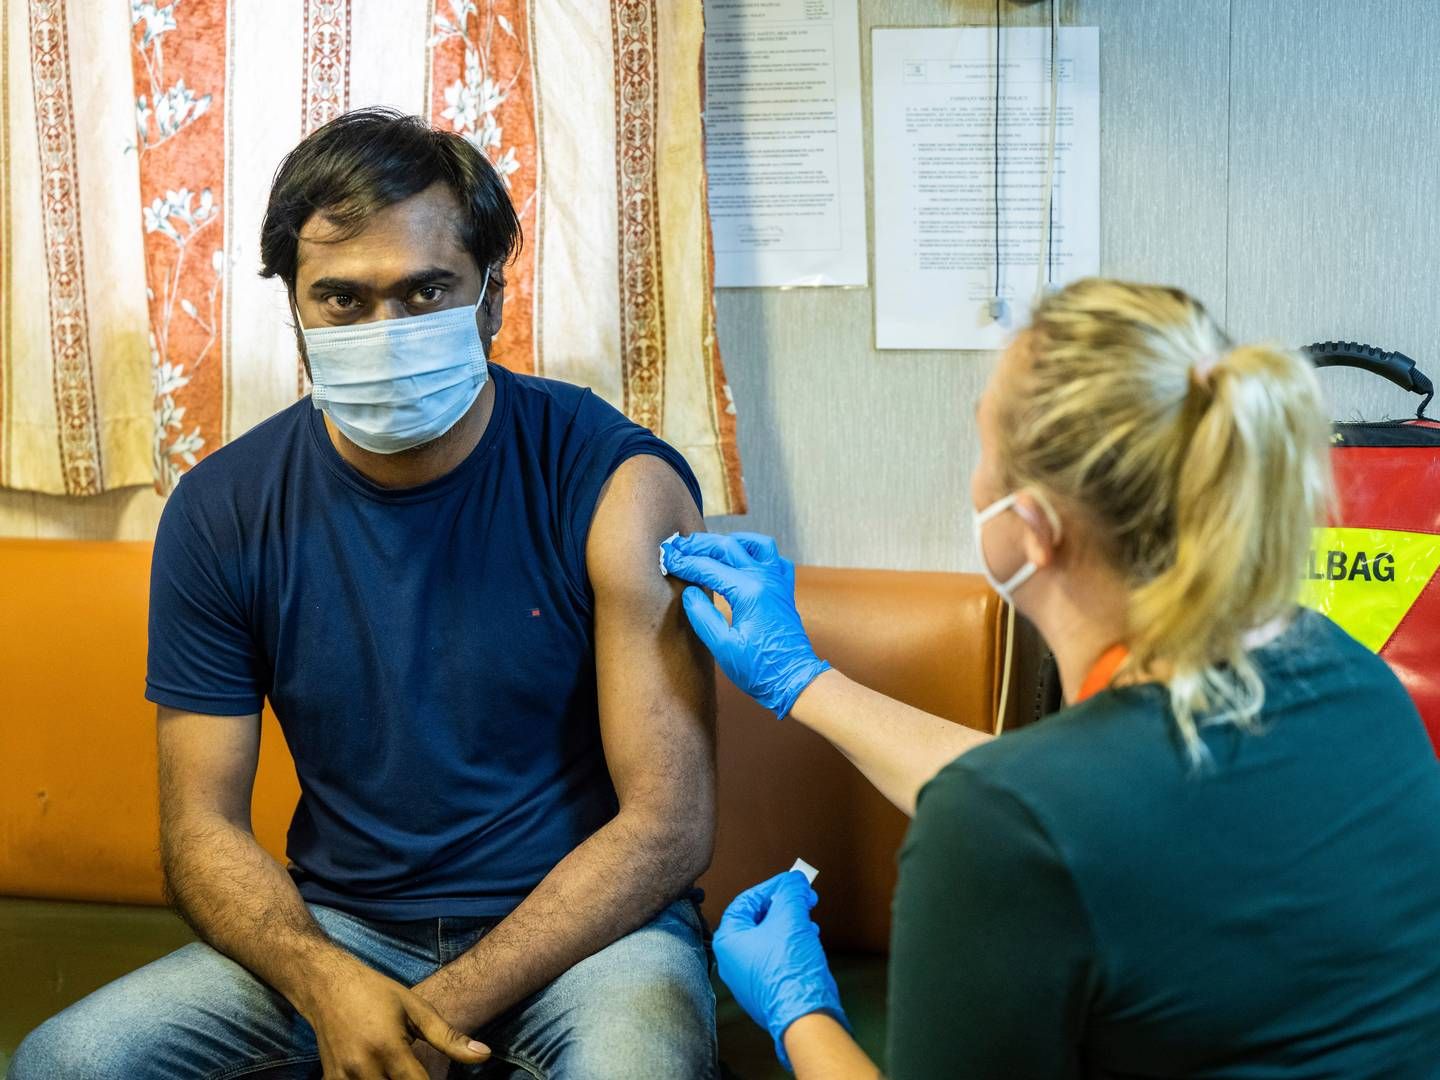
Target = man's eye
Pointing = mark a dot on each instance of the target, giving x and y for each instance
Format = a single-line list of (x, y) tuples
[(342, 301), (428, 294)]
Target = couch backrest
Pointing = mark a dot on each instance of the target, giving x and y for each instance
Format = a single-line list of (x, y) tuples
[(78, 815), (933, 640)]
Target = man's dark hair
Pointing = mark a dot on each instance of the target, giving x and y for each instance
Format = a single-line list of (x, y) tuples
[(363, 161)]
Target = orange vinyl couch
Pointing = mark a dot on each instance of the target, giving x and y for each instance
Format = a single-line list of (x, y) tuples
[(78, 814)]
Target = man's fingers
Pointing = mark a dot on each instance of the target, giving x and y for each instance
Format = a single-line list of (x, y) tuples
[(403, 1065), (327, 1060), (434, 1029)]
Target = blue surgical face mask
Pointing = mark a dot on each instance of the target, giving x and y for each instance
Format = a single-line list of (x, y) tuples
[(1007, 588), (397, 383)]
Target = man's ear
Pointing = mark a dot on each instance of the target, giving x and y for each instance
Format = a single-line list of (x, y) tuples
[(491, 307)]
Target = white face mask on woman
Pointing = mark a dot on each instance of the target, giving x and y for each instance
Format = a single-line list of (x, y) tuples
[(398, 383), (1007, 588)]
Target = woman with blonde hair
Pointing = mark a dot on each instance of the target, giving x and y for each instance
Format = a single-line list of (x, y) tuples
[(1222, 858)]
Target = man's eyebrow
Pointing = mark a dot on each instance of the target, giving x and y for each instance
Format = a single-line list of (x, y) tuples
[(431, 275), (335, 284)]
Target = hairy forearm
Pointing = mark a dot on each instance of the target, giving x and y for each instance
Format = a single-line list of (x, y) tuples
[(819, 1047), (243, 903), (610, 885), (897, 747)]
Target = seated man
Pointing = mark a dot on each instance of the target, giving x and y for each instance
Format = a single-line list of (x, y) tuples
[(442, 575)]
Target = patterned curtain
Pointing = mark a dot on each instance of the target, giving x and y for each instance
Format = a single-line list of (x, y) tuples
[(138, 142)]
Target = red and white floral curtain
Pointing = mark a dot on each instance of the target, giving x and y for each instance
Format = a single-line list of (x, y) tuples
[(138, 142)]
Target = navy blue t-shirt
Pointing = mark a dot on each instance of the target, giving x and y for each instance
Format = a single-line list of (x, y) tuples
[(428, 651)]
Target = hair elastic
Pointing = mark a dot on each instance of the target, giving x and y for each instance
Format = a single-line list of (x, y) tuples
[(1200, 370)]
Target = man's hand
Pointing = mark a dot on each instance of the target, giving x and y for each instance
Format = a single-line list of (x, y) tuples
[(365, 1024), (436, 1064), (243, 903)]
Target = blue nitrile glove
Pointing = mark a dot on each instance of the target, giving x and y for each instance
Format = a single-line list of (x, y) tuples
[(769, 955), (764, 648)]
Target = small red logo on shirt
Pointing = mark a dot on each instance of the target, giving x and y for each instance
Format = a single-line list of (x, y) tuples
[(534, 613)]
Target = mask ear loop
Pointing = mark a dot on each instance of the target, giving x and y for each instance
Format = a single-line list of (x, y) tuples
[(1012, 502), (484, 289), (995, 509), (1003, 705), (306, 373), (479, 308)]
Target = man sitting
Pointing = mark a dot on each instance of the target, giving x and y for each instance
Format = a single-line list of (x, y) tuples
[(442, 576)]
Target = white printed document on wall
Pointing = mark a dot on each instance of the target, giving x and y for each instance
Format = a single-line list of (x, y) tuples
[(937, 270), (784, 149)]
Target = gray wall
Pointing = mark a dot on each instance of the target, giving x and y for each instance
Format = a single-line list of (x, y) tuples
[(1278, 158)]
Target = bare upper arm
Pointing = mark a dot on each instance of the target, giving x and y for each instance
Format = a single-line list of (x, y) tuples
[(656, 682), (207, 764)]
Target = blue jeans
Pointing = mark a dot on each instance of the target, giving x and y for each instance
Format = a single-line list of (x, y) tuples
[(642, 1007)]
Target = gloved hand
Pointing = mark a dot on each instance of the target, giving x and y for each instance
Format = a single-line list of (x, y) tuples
[(769, 955), (764, 649)]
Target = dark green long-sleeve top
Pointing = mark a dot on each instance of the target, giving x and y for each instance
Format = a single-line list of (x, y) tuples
[(1076, 901)]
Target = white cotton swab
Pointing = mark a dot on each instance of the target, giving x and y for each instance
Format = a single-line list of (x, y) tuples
[(805, 868), (672, 536)]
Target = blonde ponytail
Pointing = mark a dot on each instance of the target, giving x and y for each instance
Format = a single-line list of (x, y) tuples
[(1201, 469)]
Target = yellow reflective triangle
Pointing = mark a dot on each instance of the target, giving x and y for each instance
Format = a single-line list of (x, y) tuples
[(1367, 579)]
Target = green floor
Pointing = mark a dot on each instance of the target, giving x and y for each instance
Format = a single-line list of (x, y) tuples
[(52, 954)]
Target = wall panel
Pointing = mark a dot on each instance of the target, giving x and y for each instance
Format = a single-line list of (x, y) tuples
[(862, 458), (1164, 98), (1335, 183)]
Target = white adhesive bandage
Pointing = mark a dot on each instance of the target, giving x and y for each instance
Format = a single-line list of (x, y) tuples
[(805, 868)]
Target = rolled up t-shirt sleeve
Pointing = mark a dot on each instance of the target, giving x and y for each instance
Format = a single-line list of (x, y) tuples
[(603, 453), (202, 655)]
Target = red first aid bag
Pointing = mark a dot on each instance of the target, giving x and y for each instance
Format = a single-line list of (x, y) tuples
[(1375, 569)]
